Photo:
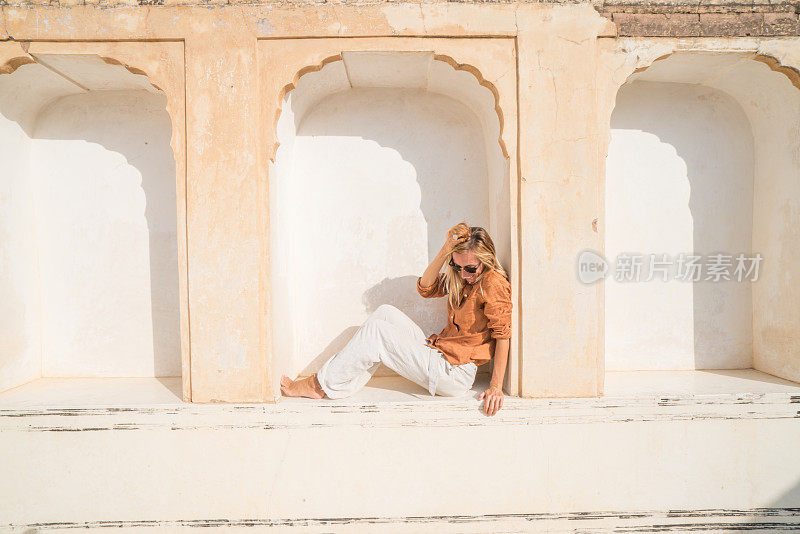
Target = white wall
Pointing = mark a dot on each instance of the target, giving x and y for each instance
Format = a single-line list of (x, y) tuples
[(88, 231), (105, 186), (19, 305), (282, 211), (22, 95), (773, 105), (679, 179)]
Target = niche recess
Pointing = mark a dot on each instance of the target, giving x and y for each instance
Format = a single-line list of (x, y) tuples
[(380, 153), (88, 232), (704, 160)]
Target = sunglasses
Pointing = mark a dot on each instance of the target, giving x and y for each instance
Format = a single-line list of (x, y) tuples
[(467, 268)]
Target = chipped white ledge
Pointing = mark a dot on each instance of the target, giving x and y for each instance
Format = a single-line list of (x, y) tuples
[(706, 520), (665, 450), (392, 402)]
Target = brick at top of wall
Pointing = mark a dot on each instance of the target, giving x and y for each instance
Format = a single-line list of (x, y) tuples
[(705, 24)]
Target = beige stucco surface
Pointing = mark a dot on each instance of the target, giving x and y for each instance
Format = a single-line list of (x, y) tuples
[(555, 71)]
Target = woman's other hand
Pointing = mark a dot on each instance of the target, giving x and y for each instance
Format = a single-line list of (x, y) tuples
[(455, 235), (493, 400)]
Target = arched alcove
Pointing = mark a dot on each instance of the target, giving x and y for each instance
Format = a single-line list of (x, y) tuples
[(88, 218), (379, 154), (703, 161)]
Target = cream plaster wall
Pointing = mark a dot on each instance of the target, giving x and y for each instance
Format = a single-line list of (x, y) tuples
[(20, 350), (679, 179), (559, 200), (103, 176)]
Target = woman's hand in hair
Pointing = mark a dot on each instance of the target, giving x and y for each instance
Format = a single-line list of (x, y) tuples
[(455, 235)]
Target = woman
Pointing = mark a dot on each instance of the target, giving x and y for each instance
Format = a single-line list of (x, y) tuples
[(478, 329)]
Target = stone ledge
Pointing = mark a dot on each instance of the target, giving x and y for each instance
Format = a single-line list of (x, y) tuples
[(705, 520), (443, 413)]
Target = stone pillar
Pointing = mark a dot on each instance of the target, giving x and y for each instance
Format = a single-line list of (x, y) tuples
[(559, 197)]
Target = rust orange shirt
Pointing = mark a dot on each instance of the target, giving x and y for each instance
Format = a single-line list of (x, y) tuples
[(483, 316)]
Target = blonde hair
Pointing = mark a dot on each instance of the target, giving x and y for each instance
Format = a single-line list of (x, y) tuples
[(481, 245)]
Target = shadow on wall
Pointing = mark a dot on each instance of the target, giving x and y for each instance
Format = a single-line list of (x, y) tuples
[(679, 180), (383, 173), (418, 138), (103, 188)]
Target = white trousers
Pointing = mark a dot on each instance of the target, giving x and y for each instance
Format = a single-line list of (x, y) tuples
[(392, 337)]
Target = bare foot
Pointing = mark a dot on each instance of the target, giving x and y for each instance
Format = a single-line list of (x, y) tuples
[(306, 387)]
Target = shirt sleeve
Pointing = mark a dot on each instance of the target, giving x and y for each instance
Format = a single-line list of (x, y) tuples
[(434, 290), (498, 307)]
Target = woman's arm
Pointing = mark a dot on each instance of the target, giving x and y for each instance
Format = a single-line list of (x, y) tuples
[(454, 236), (494, 393), (498, 312), (500, 363), (432, 271)]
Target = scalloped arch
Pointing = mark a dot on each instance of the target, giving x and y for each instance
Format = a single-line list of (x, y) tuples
[(775, 64), (16, 62), (769, 60), (437, 57), (11, 65), (132, 70)]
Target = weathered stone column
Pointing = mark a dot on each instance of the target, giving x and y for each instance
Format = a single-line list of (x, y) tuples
[(559, 197), (224, 203)]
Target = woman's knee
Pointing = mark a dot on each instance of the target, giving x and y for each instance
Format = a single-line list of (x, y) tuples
[(386, 312), (386, 308)]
